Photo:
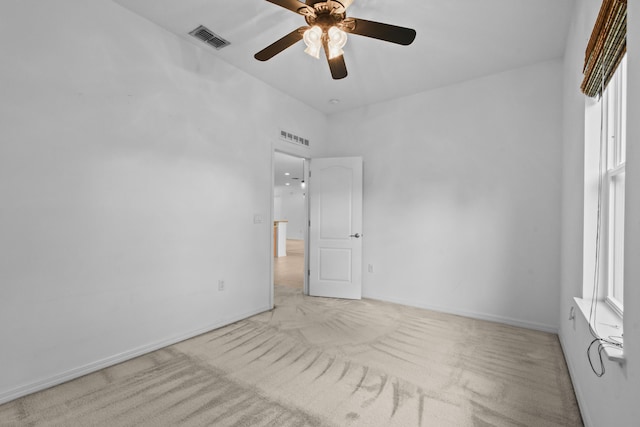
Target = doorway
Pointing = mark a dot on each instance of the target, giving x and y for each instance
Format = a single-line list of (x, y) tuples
[(290, 222)]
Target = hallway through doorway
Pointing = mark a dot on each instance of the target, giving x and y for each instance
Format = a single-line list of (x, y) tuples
[(289, 270)]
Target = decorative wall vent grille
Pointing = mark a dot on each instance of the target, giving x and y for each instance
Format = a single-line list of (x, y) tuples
[(294, 138), (209, 37)]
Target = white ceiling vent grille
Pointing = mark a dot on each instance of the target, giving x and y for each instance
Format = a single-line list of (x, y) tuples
[(209, 37), (287, 136)]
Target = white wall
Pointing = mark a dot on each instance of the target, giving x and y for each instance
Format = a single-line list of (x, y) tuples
[(462, 195), (290, 205), (277, 203), (613, 398), (129, 182)]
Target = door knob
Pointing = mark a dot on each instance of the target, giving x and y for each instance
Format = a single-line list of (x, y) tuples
[(357, 235)]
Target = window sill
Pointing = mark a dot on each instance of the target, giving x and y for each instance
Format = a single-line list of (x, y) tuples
[(609, 323)]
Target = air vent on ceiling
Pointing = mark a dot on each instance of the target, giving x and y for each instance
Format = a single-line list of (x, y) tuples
[(209, 37), (287, 136)]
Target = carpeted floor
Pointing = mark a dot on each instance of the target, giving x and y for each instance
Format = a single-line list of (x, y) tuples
[(289, 270), (325, 362)]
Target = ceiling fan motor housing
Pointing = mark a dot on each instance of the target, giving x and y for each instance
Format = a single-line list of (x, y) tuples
[(325, 15)]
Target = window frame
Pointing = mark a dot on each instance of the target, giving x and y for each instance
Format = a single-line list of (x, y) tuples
[(614, 130)]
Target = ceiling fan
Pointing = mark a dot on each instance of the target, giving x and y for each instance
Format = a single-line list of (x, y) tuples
[(327, 28)]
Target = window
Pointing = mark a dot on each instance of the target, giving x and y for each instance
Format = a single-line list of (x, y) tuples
[(614, 130)]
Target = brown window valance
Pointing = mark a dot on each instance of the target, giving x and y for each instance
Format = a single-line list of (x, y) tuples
[(607, 46)]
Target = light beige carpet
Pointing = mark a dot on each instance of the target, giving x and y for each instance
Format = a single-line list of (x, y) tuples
[(325, 362)]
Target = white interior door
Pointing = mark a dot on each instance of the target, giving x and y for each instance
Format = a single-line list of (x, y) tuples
[(335, 229)]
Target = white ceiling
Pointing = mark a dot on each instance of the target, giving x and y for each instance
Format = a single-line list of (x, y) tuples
[(286, 164), (457, 40)]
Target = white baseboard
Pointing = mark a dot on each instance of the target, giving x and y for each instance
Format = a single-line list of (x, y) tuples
[(472, 314), (71, 374), (586, 420)]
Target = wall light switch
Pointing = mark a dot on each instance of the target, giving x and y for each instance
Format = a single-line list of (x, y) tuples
[(257, 219)]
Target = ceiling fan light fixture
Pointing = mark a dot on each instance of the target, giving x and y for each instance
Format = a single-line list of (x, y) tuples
[(327, 28), (313, 39), (337, 40)]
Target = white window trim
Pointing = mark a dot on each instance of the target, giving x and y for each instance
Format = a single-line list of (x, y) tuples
[(615, 247), (614, 103), (608, 324)]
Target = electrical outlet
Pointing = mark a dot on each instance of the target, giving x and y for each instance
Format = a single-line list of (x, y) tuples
[(370, 268), (221, 285)]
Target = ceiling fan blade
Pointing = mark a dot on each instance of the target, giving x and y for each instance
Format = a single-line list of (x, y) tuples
[(380, 31), (292, 5), (336, 65), (279, 45)]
